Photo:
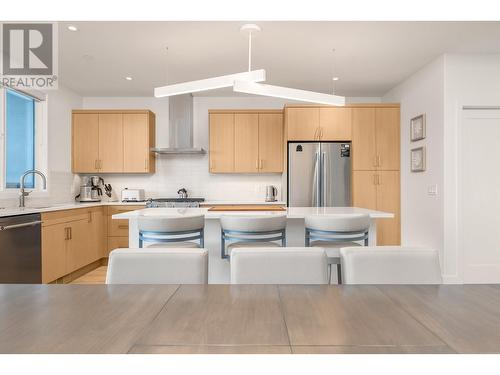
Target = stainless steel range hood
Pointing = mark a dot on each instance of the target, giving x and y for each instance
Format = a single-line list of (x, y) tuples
[(180, 127)]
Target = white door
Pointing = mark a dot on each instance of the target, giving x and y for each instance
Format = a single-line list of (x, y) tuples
[(479, 195)]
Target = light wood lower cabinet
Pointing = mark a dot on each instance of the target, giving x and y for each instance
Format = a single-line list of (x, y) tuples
[(117, 235), (71, 239), (379, 190)]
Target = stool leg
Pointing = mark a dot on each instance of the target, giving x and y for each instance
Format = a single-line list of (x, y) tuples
[(339, 274)]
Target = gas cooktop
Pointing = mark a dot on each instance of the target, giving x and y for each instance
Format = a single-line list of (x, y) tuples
[(174, 202)]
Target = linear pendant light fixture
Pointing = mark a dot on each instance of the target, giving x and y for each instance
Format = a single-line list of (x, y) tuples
[(210, 83), (247, 82), (288, 93)]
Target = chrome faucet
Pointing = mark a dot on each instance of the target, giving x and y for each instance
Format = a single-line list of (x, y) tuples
[(22, 192)]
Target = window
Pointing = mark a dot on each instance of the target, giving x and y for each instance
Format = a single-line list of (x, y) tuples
[(23, 139), (19, 138)]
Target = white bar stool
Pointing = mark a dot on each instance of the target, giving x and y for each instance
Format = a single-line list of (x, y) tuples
[(158, 266), (172, 231), (332, 232), (251, 231), (390, 265), (290, 265)]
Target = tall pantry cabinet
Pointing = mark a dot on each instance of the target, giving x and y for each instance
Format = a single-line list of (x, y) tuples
[(375, 167)]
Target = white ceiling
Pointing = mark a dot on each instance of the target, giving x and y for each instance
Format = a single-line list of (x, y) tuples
[(370, 57)]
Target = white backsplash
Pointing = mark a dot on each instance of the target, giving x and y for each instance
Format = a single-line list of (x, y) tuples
[(191, 172)]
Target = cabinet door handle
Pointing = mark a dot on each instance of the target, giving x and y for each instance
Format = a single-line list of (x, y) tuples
[(70, 233), (95, 164), (123, 226), (260, 164), (379, 163), (378, 179), (146, 164), (321, 133), (66, 234), (90, 217)]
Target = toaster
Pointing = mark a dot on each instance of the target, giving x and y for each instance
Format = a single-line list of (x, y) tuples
[(133, 195)]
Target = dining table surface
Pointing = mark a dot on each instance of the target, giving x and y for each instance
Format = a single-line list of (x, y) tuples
[(250, 319)]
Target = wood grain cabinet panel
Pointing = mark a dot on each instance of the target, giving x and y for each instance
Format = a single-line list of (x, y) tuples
[(335, 124), (221, 142), (364, 153), (387, 138), (271, 142), (85, 142), (364, 189), (246, 142), (110, 142), (388, 199), (303, 124), (54, 239), (135, 143)]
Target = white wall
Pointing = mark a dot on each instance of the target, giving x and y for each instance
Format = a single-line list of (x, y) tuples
[(422, 221), (470, 80), (440, 90)]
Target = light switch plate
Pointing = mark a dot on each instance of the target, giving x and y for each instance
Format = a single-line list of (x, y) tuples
[(432, 190)]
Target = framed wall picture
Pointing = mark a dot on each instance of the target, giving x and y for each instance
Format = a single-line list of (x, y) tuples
[(418, 159), (417, 128)]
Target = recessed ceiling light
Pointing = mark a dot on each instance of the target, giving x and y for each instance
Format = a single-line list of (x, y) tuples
[(335, 78), (128, 78), (72, 28)]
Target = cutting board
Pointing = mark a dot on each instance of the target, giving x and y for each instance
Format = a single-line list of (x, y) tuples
[(247, 207)]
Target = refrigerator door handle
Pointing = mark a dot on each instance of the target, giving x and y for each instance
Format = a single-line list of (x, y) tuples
[(316, 182), (323, 180)]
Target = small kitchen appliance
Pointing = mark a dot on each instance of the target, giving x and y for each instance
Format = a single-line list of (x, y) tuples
[(133, 195), (271, 193)]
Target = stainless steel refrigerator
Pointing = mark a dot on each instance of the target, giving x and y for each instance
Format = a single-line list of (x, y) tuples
[(319, 174)]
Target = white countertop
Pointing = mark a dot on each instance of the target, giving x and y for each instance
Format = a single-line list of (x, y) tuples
[(12, 211), (290, 212)]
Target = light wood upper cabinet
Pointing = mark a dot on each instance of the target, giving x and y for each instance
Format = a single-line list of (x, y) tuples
[(271, 142), (113, 141), (246, 142), (364, 151), (85, 142), (375, 138), (303, 124), (221, 142), (137, 131), (110, 142), (387, 138), (335, 124)]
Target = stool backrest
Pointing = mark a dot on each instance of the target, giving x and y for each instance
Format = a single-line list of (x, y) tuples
[(253, 223), (338, 223), (390, 265), (158, 266), (279, 266), (171, 224)]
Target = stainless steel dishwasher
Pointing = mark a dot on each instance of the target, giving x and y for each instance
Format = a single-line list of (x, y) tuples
[(20, 249)]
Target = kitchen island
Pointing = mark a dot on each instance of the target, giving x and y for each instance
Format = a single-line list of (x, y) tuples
[(219, 272)]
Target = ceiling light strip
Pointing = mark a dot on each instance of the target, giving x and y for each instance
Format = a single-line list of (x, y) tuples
[(288, 93), (210, 83)]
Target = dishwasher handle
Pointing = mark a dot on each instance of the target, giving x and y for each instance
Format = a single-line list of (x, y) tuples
[(22, 225)]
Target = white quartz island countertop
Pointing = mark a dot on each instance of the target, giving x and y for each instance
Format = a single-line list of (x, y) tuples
[(290, 212)]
